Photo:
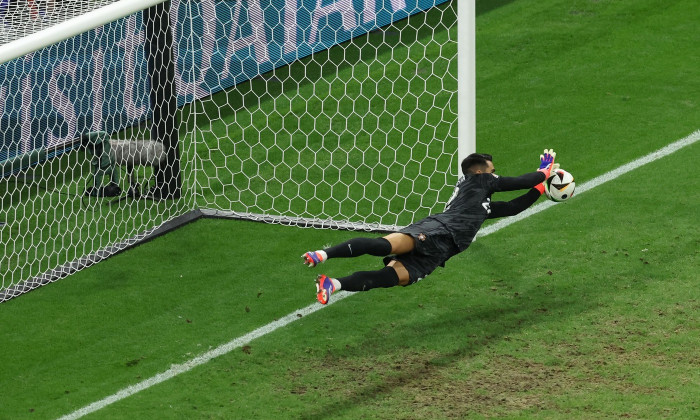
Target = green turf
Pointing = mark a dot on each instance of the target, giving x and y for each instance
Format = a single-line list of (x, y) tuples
[(601, 81), (587, 310), (590, 317)]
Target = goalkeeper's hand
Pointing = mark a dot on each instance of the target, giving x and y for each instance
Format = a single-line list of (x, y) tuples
[(547, 162), (540, 187)]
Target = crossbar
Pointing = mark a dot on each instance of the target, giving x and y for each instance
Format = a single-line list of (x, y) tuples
[(72, 27)]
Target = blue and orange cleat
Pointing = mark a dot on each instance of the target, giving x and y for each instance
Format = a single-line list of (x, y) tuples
[(324, 288), (313, 258)]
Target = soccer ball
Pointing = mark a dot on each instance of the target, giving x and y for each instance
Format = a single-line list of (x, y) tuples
[(559, 186)]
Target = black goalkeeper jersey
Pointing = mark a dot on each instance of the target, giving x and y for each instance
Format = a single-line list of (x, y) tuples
[(470, 204)]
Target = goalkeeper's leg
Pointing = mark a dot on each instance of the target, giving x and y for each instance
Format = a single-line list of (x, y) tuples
[(394, 274), (395, 243), (361, 281), (366, 280)]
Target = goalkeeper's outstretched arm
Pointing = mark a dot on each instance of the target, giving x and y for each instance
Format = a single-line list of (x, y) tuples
[(521, 182), (532, 179), (515, 206)]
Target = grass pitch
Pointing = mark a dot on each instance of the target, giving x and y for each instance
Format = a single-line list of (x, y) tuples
[(589, 317), (586, 310)]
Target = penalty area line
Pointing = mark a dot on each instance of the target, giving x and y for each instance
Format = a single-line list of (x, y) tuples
[(288, 319)]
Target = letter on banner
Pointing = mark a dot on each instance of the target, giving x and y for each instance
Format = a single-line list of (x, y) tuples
[(62, 103), (130, 43), (290, 26), (258, 39), (97, 94), (208, 14), (3, 98), (344, 7), (26, 113), (370, 11)]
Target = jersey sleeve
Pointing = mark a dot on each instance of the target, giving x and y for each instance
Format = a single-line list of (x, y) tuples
[(521, 182), (515, 206)]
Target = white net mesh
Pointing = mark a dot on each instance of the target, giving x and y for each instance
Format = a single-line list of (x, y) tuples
[(361, 135), (51, 99), (24, 17), (320, 113)]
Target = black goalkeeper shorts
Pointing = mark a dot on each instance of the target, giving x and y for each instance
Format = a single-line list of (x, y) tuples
[(434, 246)]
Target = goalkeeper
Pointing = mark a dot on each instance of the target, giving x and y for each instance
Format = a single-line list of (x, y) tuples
[(418, 249)]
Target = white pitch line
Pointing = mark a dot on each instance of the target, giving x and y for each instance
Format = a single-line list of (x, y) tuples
[(266, 329), (202, 359)]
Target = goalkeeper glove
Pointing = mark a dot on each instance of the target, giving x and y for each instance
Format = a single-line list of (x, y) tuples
[(547, 162), (540, 187), (554, 169)]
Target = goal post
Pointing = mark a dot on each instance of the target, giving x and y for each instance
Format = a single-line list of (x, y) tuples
[(466, 24), (336, 114)]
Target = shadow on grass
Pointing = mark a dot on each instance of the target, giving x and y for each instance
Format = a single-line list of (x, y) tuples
[(427, 352)]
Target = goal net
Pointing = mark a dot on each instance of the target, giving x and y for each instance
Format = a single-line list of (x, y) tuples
[(322, 113)]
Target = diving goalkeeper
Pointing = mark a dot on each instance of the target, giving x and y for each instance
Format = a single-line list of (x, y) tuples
[(418, 249)]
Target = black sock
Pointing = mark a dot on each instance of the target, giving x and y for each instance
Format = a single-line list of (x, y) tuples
[(365, 280), (355, 247)]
